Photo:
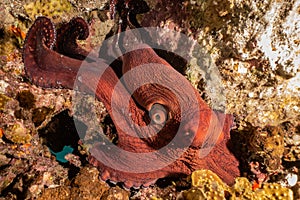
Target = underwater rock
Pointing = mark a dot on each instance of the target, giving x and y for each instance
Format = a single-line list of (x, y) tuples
[(18, 134), (26, 99), (86, 185), (3, 100)]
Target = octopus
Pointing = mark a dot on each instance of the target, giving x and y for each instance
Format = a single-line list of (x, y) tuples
[(175, 122)]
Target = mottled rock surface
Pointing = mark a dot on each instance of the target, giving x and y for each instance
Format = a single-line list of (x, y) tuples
[(254, 44)]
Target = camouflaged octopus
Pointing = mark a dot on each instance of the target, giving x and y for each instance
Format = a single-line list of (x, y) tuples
[(52, 59)]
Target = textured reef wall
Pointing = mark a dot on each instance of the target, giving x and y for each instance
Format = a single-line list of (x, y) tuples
[(254, 44)]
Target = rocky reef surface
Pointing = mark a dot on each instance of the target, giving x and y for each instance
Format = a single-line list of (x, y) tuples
[(254, 44)]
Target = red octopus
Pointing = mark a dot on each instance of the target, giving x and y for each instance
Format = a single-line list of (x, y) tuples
[(53, 59)]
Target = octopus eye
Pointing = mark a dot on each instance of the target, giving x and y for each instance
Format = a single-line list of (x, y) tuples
[(158, 114)]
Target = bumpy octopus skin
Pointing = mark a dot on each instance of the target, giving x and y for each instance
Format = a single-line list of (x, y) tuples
[(52, 65)]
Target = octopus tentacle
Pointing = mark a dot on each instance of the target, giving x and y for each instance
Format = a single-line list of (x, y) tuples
[(44, 66), (68, 33), (47, 68), (104, 88)]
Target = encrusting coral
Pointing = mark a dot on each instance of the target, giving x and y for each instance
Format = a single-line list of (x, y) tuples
[(207, 185), (51, 8)]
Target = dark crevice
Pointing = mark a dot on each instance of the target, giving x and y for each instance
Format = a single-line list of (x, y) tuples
[(61, 131)]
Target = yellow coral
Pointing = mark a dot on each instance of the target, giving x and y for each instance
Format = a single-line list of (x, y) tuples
[(242, 189), (54, 9), (274, 191), (18, 133), (3, 100), (207, 185), (194, 194)]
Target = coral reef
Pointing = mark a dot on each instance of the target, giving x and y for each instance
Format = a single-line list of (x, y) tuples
[(234, 33), (56, 9), (86, 185), (206, 185), (255, 45), (3, 101), (267, 143), (26, 169), (292, 141)]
